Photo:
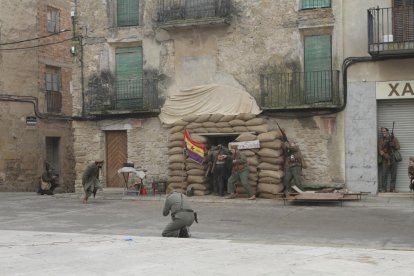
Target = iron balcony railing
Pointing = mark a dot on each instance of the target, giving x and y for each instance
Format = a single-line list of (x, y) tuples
[(132, 95), (54, 101), (391, 30), (171, 10), (300, 90)]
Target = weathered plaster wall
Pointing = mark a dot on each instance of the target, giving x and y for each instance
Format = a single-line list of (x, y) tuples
[(262, 36)]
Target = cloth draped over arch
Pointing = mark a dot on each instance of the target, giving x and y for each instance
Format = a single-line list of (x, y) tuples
[(207, 99)]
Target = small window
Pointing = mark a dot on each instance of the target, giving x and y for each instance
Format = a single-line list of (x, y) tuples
[(53, 20), (127, 13), (53, 89), (314, 4)]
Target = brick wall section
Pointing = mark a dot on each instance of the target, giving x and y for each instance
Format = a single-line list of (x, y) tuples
[(22, 147)]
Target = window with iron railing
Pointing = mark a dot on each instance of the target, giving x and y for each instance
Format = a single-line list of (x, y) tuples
[(53, 90), (300, 90), (134, 95), (169, 10), (391, 30)]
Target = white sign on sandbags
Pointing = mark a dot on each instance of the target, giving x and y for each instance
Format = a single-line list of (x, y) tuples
[(246, 145)]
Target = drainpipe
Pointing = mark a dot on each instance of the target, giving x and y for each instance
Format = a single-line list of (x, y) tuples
[(35, 102), (79, 38), (353, 60), (82, 77)]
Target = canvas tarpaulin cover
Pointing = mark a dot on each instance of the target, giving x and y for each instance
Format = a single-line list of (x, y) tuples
[(207, 99)]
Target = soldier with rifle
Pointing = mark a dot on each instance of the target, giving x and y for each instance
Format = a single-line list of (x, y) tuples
[(293, 165), (388, 144), (217, 166)]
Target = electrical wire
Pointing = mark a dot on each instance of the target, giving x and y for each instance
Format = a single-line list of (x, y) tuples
[(35, 38), (36, 46)]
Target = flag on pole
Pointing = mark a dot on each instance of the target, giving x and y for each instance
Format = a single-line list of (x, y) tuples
[(194, 150)]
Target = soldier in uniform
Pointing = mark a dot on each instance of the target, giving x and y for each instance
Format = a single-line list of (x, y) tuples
[(219, 169), (240, 173), (49, 181), (90, 179), (182, 216), (386, 147), (411, 173), (293, 166)]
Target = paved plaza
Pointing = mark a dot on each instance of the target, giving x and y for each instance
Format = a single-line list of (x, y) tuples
[(57, 235)]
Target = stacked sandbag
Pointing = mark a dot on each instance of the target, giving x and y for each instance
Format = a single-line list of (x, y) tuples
[(196, 178), (177, 175), (252, 162), (270, 167), (219, 123), (196, 172), (265, 164)]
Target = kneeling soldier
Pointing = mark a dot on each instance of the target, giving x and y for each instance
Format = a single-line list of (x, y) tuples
[(182, 216)]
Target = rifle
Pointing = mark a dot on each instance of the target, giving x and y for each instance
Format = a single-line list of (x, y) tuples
[(392, 131), (284, 137)]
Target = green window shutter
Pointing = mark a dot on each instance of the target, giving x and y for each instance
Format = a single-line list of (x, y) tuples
[(318, 68), (127, 12), (129, 72), (312, 4)]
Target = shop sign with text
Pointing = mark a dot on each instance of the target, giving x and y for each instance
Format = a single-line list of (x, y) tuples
[(394, 90)]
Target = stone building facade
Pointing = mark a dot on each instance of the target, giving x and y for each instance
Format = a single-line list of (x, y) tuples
[(182, 44), (378, 42), (35, 95)]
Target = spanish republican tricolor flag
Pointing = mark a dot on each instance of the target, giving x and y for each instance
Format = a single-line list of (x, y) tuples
[(194, 150)]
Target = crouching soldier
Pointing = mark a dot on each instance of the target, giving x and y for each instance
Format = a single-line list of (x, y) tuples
[(182, 216), (48, 181)]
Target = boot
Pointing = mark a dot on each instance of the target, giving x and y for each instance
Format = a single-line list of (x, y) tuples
[(184, 233)]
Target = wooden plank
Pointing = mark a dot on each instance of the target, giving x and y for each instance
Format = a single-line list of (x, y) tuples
[(319, 196)]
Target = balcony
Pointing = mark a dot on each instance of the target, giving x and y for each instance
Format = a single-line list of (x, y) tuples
[(391, 31), (187, 13), (300, 90), (133, 96)]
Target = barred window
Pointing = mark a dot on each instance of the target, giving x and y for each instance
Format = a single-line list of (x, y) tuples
[(53, 89)]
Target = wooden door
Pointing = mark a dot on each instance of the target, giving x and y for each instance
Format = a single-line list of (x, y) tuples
[(116, 156)]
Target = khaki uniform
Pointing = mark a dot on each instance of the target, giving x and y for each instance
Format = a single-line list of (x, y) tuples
[(240, 173), (182, 215), (293, 167), (386, 147)]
